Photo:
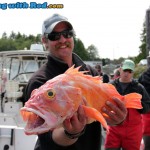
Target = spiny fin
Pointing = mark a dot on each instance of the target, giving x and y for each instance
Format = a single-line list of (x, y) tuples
[(75, 71), (96, 115), (133, 100)]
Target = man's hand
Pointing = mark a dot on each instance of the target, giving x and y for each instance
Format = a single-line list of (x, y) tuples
[(116, 113), (76, 123)]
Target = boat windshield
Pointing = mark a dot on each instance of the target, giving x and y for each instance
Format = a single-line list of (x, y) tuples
[(21, 67), (23, 70)]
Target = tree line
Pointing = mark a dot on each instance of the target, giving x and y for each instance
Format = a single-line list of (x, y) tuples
[(18, 41)]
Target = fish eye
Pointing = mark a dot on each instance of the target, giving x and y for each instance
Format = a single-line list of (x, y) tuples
[(51, 93)]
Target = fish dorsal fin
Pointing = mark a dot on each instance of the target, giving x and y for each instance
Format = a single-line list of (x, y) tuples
[(95, 114), (75, 72), (72, 70)]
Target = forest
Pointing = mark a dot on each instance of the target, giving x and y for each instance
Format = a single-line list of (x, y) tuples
[(18, 41)]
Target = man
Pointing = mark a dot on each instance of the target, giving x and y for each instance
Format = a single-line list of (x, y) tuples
[(57, 36), (116, 73), (128, 135), (104, 76), (144, 79)]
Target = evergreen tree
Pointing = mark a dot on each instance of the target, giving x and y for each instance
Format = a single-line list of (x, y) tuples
[(80, 50), (142, 47)]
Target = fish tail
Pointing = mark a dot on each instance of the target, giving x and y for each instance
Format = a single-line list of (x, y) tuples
[(133, 100), (96, 115)]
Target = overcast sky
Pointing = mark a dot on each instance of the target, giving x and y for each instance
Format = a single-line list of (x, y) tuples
[(113, 26)]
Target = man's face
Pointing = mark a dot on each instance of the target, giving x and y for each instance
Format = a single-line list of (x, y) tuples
[(126, 75), (63, 47)]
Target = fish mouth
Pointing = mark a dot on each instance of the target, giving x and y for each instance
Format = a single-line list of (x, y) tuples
[(36, 121)]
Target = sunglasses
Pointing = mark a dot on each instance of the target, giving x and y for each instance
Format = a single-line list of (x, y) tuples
[(54, 36), (128, 70)]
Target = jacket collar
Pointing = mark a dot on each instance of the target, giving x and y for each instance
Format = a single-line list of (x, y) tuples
[(77, 61), (132, 82)]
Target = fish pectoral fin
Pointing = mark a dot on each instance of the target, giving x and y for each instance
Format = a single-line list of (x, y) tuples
[(95, 114)]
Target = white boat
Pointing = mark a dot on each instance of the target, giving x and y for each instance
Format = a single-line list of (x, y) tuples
[(16, 68)]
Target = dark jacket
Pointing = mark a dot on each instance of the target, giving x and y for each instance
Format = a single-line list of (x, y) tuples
[(91, 139), (144, 79)]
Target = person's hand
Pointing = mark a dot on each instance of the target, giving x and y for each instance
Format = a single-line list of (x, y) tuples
[(71, 130), (76, 123), (116, 114)]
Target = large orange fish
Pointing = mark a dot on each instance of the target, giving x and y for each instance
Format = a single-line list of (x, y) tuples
[(60, 97)]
